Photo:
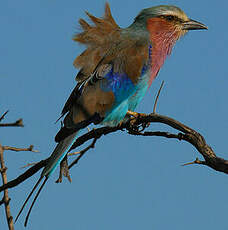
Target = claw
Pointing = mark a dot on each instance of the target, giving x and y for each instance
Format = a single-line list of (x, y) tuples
[(133, 114)]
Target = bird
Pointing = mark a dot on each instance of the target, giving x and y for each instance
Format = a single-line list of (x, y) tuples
[(116, 69)]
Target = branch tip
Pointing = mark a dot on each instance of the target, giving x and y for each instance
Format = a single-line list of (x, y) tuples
[(19, 123), (157, 97), (196, 161)]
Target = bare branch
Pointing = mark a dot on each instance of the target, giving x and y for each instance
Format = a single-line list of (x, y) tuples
[(6, 198), (24, 176), (30, 148), (133, 127), (191, 136), (82, 152), (64, 168), (18, 123)]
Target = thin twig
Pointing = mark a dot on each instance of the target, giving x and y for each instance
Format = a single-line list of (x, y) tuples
[(156, 100), (74, 153), (28, 165), (18, 123), (2, 201), (82, 152), (3, 116), (30, 148), (196, 161), (6, 195), (64, 168)]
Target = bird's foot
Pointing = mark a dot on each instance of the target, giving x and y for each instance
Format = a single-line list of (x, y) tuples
[(64, 171), (134, 124), (133, 114)]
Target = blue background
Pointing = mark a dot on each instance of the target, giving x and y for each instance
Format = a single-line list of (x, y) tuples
[(126, 182)]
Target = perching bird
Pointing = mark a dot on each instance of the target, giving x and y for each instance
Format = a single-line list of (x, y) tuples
[(116, 69)]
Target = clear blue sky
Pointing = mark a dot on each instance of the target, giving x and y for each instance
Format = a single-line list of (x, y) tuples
[(126, 182)]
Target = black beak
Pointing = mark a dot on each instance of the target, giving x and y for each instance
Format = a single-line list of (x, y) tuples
[(193, 25)]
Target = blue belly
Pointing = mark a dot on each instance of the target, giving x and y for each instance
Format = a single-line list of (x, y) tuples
[(127, 98)]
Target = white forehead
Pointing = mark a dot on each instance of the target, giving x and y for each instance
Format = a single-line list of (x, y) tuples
[(169, 10)]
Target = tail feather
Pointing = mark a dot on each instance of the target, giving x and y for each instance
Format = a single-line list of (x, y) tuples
[(34, 200), (58, 154), (30, 194)]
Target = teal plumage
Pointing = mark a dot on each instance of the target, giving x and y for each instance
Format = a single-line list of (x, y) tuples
[(116, 69)]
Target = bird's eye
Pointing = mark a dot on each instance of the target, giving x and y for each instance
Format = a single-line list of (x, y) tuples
[(170, 17)]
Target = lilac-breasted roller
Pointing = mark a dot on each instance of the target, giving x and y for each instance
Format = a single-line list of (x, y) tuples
[(116, 69)]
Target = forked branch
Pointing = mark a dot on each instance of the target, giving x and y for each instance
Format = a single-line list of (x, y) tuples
[(134, 127)]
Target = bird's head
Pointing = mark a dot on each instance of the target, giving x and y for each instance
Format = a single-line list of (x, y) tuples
[(168, 21)]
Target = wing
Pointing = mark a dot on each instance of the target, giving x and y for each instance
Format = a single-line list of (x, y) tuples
[(79, 108), (82, 79)]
